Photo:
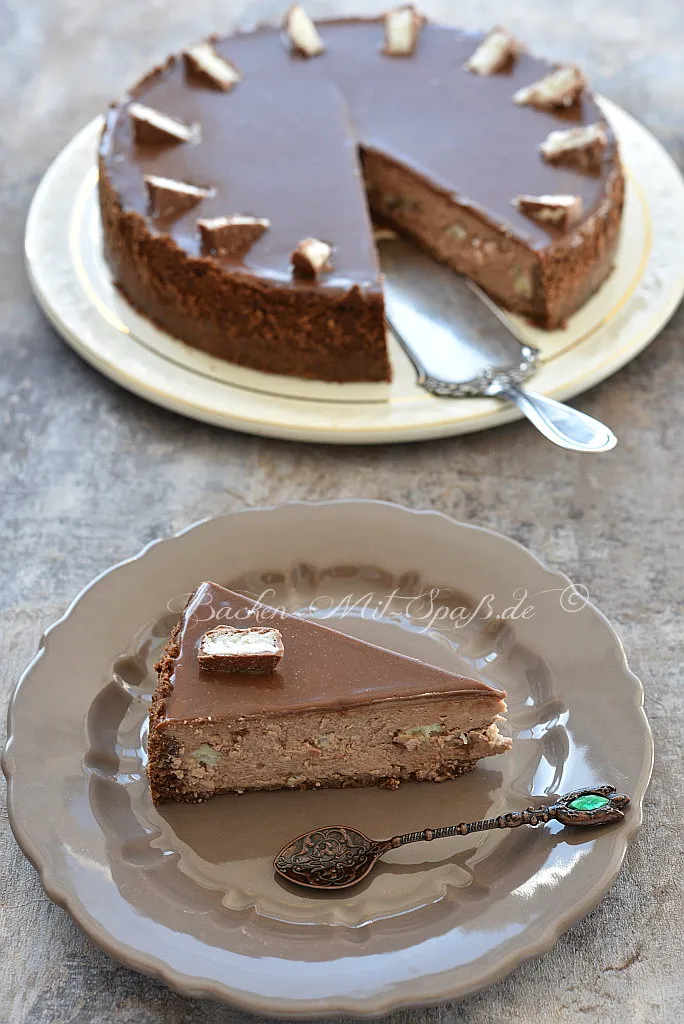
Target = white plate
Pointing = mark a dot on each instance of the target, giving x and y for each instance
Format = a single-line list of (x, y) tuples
[(74, 286)]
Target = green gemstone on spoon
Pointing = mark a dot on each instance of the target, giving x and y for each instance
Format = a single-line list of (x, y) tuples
[(591, 802)]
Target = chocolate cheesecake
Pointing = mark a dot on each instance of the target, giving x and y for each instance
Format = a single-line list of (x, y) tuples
[(239, 182), (335, 711)]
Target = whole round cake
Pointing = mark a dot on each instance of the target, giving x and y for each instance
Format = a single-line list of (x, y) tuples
[(239, 185)]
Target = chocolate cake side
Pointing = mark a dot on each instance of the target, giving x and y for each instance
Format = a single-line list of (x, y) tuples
[(573, 269), (302, 332), (301, 729)]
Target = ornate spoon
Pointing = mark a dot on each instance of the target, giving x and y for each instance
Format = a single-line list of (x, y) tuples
[(338, 856)]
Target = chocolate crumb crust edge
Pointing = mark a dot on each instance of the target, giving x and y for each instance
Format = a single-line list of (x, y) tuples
[(161, 749), (243, 318)]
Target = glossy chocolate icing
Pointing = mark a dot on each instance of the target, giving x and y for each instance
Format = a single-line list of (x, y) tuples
[(283, 144), (321, 668)]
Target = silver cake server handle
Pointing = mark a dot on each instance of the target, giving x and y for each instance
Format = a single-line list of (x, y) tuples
[(461, 345), (565, 426), (560, 423)]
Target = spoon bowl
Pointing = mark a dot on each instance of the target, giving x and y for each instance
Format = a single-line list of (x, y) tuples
[(329, 858)]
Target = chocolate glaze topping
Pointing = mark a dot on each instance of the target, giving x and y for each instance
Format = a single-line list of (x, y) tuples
[(321, 668), (283, 144)]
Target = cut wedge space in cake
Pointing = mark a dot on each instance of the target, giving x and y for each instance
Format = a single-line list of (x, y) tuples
[(335, 711)]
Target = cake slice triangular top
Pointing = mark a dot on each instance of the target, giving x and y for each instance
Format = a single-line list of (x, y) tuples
[(337, 711)]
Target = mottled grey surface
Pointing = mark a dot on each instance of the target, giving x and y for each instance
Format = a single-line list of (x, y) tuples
[(91, 473)]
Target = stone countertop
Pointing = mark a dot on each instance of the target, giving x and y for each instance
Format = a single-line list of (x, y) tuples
[(91, 473)]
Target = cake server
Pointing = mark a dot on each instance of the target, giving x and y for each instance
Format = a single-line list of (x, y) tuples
[(461, 345), (337, 857)]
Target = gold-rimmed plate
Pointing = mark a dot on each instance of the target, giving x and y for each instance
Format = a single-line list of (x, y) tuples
[(188, 893), (73, 284)]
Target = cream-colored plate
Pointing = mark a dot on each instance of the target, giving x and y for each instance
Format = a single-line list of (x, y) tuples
[(73, 284)]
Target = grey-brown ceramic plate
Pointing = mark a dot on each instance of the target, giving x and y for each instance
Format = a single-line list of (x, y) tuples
[(187, 893)]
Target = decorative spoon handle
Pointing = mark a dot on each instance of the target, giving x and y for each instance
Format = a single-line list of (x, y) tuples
[(583, 807), (338, 856)]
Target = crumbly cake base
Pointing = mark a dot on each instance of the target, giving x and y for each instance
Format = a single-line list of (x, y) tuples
[(191, 760), (165, 788)]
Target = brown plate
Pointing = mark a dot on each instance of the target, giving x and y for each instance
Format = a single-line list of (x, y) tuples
[(187, 893)]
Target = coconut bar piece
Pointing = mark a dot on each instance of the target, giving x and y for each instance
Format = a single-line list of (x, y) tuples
[(562, 88), (168, 199), (152, 128), (204, 64), (559, 212), (231, 236), (255, 649), (402, 28), (310, 258), (495, 52), (302, 33), (580, 148), (336, 712)]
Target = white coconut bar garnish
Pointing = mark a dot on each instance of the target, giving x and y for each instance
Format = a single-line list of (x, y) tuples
[(495, 51), (205, 64), (402, 27), (311, 257), (231, 236), (151, 127), (302, 33), (581, 148), (559, 212), (169, 198), (561, 88), (254, 649), (240, 641)]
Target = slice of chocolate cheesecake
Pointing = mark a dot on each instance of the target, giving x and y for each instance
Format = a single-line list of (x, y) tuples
[(336, 711)]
